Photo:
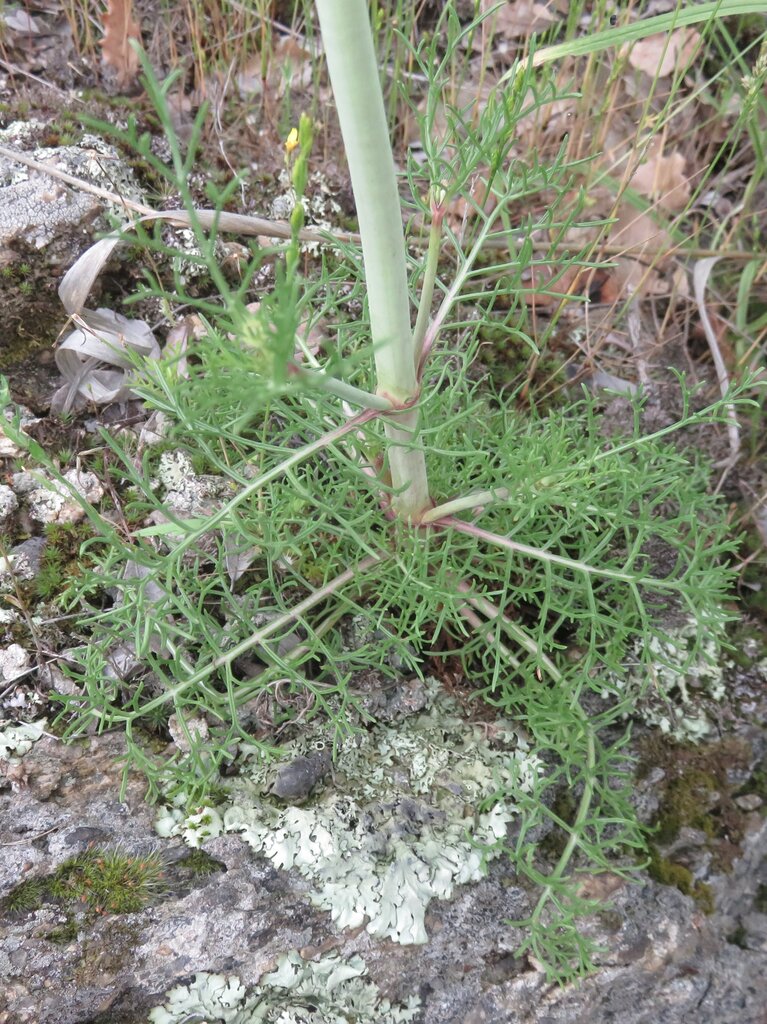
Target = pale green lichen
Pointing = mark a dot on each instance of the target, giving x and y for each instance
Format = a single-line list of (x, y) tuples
[(298, 991), (17, 738), (414, 809), (682, 684)]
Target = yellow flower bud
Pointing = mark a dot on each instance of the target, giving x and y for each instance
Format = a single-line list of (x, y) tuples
[(292, 140)]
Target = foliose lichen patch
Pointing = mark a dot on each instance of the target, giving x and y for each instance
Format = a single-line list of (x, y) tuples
[(298, 991), (17, 738), (412, 809), (683, 685)]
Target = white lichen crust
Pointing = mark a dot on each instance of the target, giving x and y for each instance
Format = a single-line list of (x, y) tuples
[(17, 738), (412, 809), (327, 991), (685, 679)]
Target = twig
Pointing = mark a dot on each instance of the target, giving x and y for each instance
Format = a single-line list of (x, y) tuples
[(700, 276), (232, 223), (31, 839)]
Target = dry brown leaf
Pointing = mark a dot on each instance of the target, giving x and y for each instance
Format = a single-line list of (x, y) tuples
[(119, 29), (477, 197), (643, 239), (631, 250), (290, 67), (517, 18), (663, 53), (19, 21), (663, 178)]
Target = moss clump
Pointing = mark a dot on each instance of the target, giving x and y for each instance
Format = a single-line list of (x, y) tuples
[(760, 902), (739, 937), (564, 808), (109, 881), (697, 792), (667, 872), (25, 897), (100, 881), (686, 803), (61, 559), (757, 783), (200, 863), (64, 933)]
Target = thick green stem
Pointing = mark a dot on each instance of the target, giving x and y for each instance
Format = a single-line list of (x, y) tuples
[(348, 42)]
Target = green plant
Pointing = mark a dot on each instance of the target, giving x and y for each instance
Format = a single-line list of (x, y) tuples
[(103, 881), (109, 881), (549, 554), (61, 561), (25, 896)]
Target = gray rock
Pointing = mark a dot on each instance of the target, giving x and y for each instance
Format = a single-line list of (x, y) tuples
[(37, 209), (663, 960)]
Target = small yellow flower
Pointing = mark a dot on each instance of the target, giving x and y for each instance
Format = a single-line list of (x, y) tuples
[(292, 140)]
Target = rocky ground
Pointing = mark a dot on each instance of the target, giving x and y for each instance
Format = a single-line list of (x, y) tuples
[(101, 917)]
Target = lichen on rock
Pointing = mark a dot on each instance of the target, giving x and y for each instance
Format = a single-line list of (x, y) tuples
[(298, 991), (685, 681), (415, 807), (17, 738)]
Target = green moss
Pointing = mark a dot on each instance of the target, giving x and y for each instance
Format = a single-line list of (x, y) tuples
[(760, 902), (20, 348), (739, 937), (703, 895), (696, 792), (64, 933), (61, 559), (757, 783), (686, 803), (25, 897), (564, 807), (109, 881), (200, 863), (99, 881), (667, 872)]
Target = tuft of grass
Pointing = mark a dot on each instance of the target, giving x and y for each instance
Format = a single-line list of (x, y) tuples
[(62, 560), (25, 897), (108, 881), (99, 881)]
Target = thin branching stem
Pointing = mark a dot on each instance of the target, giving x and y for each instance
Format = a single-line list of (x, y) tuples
[(471, 501), (578, 826), (175, 692), (539, 553), (459, 280), (341, 389), (258, 484), (496, 616), (429, 275)]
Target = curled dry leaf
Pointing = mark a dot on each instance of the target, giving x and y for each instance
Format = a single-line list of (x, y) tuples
[(119, 29), (104, 339), (19, 21), (701, 274), (79, 279), (663, 178), (660, 55), (517, 18), (94, 358)]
